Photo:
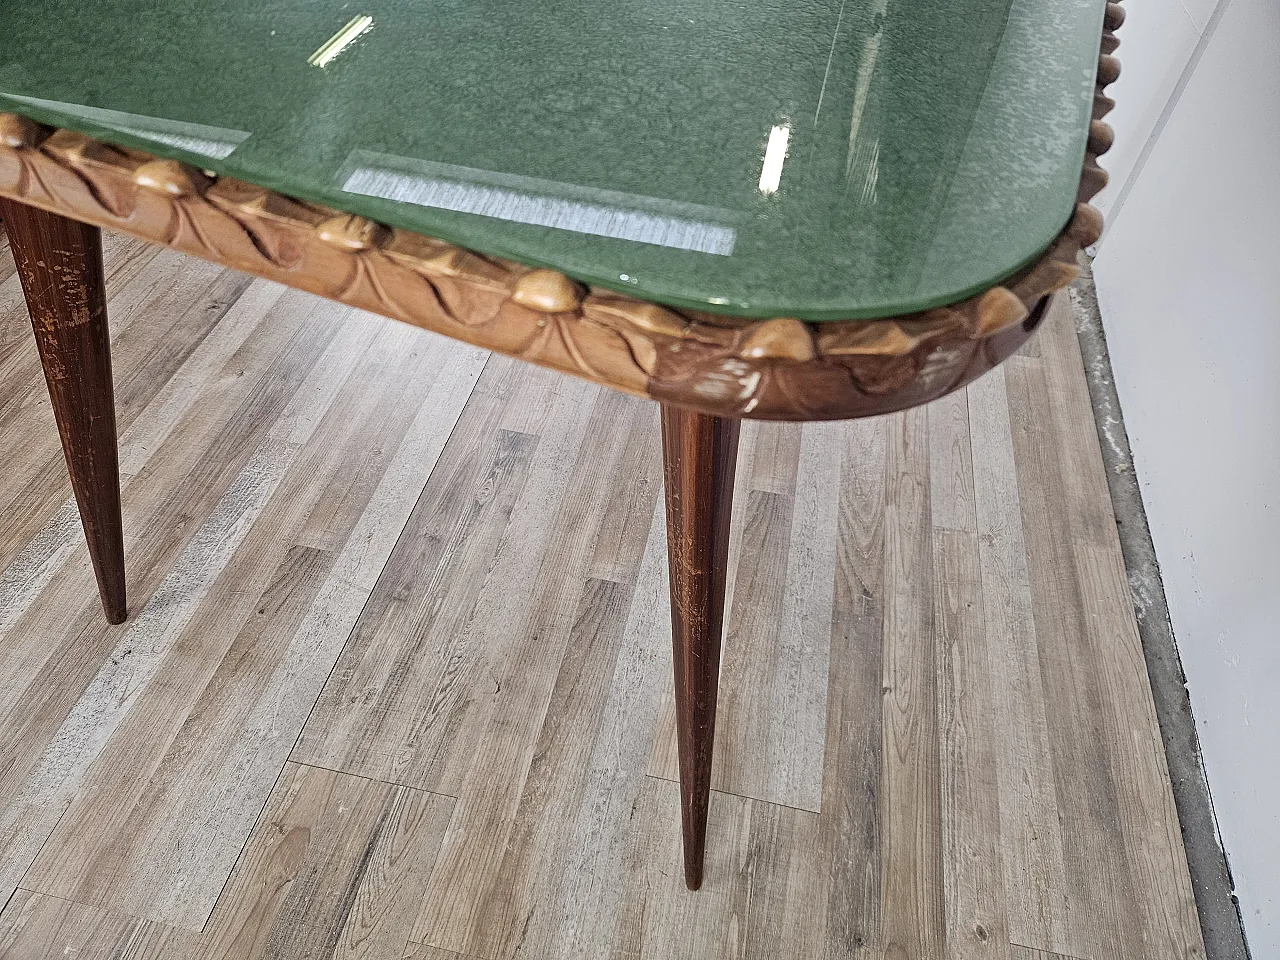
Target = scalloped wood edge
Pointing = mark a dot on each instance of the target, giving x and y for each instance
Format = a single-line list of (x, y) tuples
[(780, 369)]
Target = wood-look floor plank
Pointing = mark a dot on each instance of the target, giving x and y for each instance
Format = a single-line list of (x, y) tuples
[(749, 904), (203, 577), (38, 927), (1098, 877), (913, 914), (973, 873), (451, 536), (64, 643), (7, 266), (298, 480), (515, 637), (770, 454), (217, 310), (1030, 828), (500, 668), (157, 318), (419, 951), (851, 820), (334, 869), (1030, 953), (795, 701), (591, 837), (952, 503), (1091, 516), (508, 905), (624, 529), (437, 719), (584, 882), (132, 840), (972, 862), (1033, 349), (1147, 816), (45, 552), (496, 629), (267, 723), (1145, 810), (173, 401), (40, 559), (164, 330), (494, 896)]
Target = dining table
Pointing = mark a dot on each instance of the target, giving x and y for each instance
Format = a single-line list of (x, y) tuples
[(774, 209)]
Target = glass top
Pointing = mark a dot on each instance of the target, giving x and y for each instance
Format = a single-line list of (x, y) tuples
[(823, 159)]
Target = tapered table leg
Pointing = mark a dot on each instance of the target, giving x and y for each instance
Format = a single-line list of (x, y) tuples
[(60, 263), (699, 455)]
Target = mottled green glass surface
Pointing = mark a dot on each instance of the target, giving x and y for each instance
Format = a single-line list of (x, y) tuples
[(932, 147)]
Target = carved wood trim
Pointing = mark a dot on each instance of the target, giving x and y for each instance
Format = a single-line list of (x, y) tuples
[(781, 369)]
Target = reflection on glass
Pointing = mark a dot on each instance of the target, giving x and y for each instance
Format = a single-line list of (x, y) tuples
[(528, 200), (340, 40), (215, 143), (865, 163), (775, 155)]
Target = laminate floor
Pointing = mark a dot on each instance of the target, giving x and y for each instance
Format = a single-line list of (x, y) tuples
[(396, 679)]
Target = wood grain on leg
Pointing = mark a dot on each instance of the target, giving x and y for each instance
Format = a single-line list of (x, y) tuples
[(60, 263), (699, 454)]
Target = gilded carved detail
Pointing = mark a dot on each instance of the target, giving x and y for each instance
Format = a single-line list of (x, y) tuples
[(547, 291)]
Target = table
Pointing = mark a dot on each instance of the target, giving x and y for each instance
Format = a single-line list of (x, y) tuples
[(812, 210)]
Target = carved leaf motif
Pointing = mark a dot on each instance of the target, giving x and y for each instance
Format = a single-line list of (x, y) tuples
[(547, 291), (782, 339)]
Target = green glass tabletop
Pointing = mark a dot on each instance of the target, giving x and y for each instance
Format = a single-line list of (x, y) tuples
[(825, 159)]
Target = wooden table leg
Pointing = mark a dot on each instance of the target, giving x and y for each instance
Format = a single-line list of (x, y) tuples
[(60, 263), (699, 455)]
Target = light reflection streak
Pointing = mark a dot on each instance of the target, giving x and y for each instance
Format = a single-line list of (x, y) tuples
[(775, 155), (355, 27)]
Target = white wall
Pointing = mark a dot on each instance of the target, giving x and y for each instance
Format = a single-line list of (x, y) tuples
[(1188, 279), (1157, 42)]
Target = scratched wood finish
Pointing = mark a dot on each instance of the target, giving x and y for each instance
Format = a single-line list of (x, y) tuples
[(772, 708), (442, 575), (700, 457), (60, 263)]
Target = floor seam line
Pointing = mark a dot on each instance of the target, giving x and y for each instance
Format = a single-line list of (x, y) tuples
[(741, 796), (360, 776)]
